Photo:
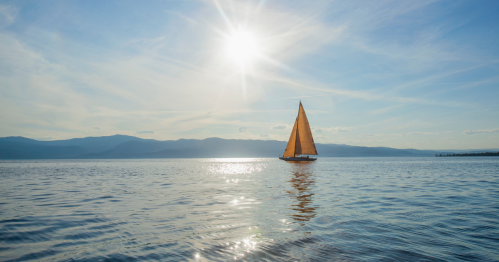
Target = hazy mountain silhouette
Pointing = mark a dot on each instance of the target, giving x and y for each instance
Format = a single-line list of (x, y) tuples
[(22, 150), (121, 146), (90, 144)]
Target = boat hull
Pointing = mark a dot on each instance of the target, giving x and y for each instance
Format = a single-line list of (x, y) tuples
[(297, 159)]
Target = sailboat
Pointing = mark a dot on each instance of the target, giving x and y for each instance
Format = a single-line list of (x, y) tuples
[(301, 141)]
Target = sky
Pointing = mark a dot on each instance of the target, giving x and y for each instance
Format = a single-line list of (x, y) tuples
[(404, 74)]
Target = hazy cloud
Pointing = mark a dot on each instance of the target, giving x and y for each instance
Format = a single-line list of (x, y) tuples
[(332, 129), (417, 133), (144, 132), (471, 132), (7, 15), (279, 126), (403, 134), (195, 118), (342, 129), (264, 135), (188, 19), (47, 138), (384, 110), (74, 85)]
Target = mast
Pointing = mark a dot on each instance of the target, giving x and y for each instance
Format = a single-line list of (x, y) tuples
[(297, 132)]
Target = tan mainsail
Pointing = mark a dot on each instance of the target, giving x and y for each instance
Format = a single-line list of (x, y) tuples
[(301, 141), (290, 148)]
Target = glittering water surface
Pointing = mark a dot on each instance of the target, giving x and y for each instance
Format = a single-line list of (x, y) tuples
[(339, 209)]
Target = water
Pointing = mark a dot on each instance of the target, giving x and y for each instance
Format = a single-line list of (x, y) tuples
[(340, 209)]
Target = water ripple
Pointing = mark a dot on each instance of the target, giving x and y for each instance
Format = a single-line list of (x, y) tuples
[(340, 209)]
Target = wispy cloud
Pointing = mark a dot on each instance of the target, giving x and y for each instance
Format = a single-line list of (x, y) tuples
[(333, 129), (400, 134), (342, 129), (417, 133), (471, 132), (45, 138), (188, 19), (279, 126), (371, 135), (144, 132), (384, 110), (7, 15), (363, 95), (445, 74), (199, 117), (352, 64)]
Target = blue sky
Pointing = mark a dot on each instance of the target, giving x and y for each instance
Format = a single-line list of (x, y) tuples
[(403, 74)]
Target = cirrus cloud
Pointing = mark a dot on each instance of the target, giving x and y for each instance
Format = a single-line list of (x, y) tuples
[(144, 132), (341, 129), (471, 132), (279, 126)]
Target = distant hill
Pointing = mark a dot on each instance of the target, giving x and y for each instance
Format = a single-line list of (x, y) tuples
[(22, 150), (121, 146)]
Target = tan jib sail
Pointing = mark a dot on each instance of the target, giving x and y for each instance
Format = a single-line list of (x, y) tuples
[(301, 141)]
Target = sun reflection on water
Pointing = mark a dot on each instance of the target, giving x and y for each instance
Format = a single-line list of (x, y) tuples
[(234, 160), (236, 173), (241, 248), (234, 168)]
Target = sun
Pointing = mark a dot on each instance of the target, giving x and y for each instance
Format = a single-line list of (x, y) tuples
[(243, 47)]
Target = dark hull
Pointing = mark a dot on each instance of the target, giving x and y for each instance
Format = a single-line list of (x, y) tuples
[(297, 159)]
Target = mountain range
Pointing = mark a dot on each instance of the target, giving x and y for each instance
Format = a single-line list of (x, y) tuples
[(122, 146)]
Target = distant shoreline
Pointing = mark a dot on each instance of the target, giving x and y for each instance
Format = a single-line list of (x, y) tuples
[(130, 147), (469, 154)]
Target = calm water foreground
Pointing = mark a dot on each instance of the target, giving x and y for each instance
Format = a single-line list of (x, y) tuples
[(337, 209)]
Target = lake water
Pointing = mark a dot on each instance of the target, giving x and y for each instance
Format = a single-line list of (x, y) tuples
[(339, 209)]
